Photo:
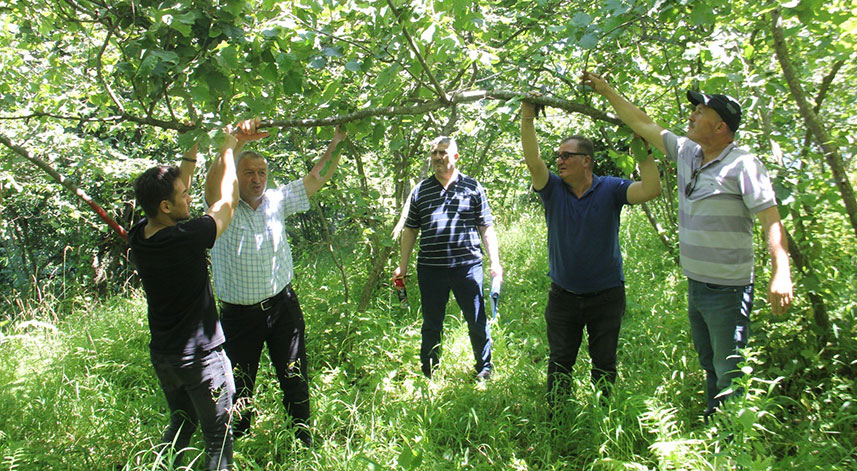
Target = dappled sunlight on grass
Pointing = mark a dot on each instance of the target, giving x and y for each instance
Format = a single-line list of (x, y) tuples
[(81, 393)]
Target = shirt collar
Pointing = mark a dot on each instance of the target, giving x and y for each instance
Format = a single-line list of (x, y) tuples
[(725, 152)]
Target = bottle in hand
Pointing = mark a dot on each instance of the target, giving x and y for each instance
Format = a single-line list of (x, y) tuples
[(399, 285)]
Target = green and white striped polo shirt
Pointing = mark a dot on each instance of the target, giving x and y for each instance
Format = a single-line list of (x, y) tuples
[(716, 219)]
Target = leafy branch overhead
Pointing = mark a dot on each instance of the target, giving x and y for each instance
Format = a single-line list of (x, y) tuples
[(102, 68)]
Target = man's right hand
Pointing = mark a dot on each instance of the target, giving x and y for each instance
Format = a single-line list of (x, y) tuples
[(399, 272), (230, 141), (246, 132), (595, 81)]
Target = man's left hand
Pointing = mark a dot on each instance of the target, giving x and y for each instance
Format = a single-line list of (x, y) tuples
[(780, 294)]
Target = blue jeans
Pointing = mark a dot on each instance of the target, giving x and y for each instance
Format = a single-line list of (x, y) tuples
[(720, 326), (199, 390), (466, 285), (566, 315)]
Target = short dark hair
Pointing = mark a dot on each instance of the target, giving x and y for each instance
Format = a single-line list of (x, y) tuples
[(155, 185), (584, 143)]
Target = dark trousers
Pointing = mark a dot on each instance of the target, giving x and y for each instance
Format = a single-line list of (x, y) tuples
[(466, 285), (281, 327), (199, 391), (566, 315)]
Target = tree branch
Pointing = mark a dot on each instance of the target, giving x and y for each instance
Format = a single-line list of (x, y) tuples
[(66, 183), (98, 68), (453, 99), (438, 89), (174, 125), (822, 94)]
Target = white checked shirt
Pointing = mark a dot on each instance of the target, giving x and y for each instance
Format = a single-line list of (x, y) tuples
[(252, 260)]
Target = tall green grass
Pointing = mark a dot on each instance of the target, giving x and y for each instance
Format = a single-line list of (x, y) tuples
[(79, 392)]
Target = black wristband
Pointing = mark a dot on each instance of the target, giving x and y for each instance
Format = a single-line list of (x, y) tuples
[(188, 160)]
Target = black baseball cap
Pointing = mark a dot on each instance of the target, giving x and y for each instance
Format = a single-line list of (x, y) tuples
[(727, 107)]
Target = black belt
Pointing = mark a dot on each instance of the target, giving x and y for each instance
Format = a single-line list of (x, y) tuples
[(590, 294), (264, 304)]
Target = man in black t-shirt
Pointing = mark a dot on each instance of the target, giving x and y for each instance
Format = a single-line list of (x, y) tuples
[(186, 346)]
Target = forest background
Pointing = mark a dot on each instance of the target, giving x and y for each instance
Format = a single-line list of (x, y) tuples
[(94, 92)]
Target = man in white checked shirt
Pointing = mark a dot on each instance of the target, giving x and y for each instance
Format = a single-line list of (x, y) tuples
[(252, 268)]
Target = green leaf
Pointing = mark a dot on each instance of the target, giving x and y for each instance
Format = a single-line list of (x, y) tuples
[(319, 62), (228, 58), (702, 14), (353, 65), (330, 91), (218, 83), (582, 19), (199, 91), (167, 56), (588, 41), (385, 76), (639, 150), (332, 52)]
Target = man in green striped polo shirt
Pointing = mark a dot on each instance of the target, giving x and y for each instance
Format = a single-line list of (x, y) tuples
[(720, 188)]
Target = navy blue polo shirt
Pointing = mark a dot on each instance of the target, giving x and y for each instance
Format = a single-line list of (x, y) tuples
[(583, 233), (449, 221)]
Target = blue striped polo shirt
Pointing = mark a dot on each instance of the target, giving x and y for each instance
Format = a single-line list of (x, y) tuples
[(449, 221)]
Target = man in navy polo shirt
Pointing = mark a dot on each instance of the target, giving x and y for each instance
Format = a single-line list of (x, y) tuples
[(451, 209), (587, 284)]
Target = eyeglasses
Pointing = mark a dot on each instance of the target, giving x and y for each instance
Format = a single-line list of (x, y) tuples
[(567, 155), (691, 185)]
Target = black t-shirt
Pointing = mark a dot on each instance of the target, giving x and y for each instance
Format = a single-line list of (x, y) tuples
[(173, 267)]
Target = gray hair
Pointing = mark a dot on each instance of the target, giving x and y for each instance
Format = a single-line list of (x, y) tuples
[(248, 154), (451, 144)]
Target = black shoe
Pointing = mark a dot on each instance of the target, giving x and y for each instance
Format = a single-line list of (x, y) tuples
[(427, 370), (304, 436), (707, 415)]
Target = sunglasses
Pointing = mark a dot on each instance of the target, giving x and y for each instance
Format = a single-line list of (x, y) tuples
[(691, 185), (567, 155)]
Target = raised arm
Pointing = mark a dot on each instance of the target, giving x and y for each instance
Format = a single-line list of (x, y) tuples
[(780, 287), (223, 208), (326, 165), (649, 186), (188, 165), (535, 164), (245, 132), (627, 111)]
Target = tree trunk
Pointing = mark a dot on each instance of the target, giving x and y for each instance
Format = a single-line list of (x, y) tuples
[(329, 243), (822, 137)]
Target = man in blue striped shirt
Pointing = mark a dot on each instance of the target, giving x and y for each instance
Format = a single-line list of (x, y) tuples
[(720, 188), (451, 209)]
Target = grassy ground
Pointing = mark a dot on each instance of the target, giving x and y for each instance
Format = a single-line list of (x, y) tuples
[(79, 392)]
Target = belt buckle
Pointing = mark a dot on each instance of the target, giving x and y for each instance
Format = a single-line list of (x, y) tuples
[(266, 304)]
